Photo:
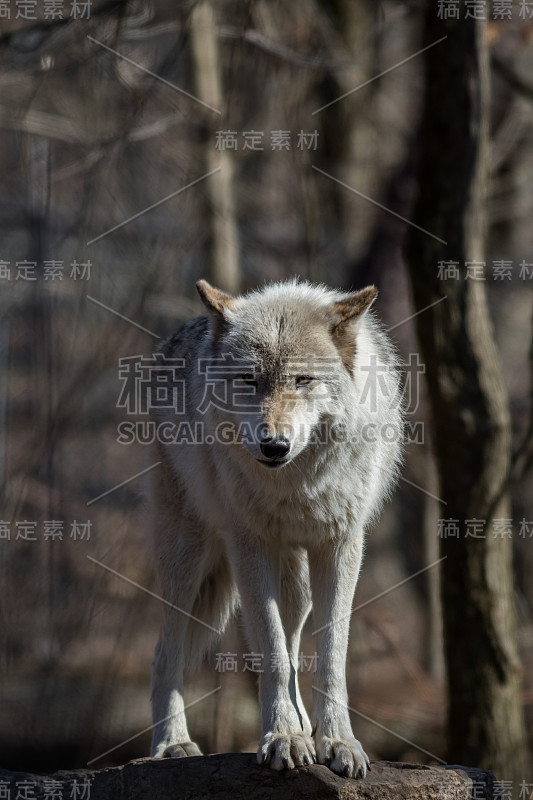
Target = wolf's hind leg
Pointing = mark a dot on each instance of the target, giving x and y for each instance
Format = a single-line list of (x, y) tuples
[(185, 558), (170, 735), (180, 580)]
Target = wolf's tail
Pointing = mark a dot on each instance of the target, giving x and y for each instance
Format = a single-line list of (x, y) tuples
[(216, 603)]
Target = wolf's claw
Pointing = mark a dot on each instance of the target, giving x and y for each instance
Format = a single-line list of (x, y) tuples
[(286, 751), (346, 757)]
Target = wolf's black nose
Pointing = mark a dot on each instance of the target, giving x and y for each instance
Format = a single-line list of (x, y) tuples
[(275, 448)]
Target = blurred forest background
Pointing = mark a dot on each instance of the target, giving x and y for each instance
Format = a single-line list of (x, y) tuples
[(101, 244)]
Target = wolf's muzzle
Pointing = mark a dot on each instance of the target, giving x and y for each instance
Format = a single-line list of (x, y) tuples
[(275, 449)]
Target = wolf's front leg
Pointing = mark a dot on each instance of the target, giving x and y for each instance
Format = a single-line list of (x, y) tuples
[(284, 743), (334, 570)]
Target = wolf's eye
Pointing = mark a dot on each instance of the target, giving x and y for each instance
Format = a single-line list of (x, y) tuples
[(303, 380), (248, 378)]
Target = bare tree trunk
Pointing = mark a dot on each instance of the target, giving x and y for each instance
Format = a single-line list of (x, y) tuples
[(468, 400), (435, 654), (224, 268), (348, 131)]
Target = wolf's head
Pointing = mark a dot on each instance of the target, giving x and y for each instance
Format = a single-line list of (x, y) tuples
[(284, 358)]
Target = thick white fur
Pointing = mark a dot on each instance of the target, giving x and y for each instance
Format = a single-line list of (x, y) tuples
[(230, 531)]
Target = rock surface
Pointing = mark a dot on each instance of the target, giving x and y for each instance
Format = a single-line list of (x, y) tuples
[(232, 776)]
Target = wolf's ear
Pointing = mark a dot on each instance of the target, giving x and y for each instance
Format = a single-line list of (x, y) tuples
[(355, 305), (344, 317), (214, 300), (218, 303)]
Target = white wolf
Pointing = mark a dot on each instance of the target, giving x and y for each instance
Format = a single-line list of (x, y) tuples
[(294, 393)]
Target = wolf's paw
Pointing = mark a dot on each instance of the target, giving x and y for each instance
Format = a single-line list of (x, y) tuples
[(286, 750), (181, 750), (346, 757)]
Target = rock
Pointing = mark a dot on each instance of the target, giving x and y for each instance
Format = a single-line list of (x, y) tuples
[(232, 776)]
